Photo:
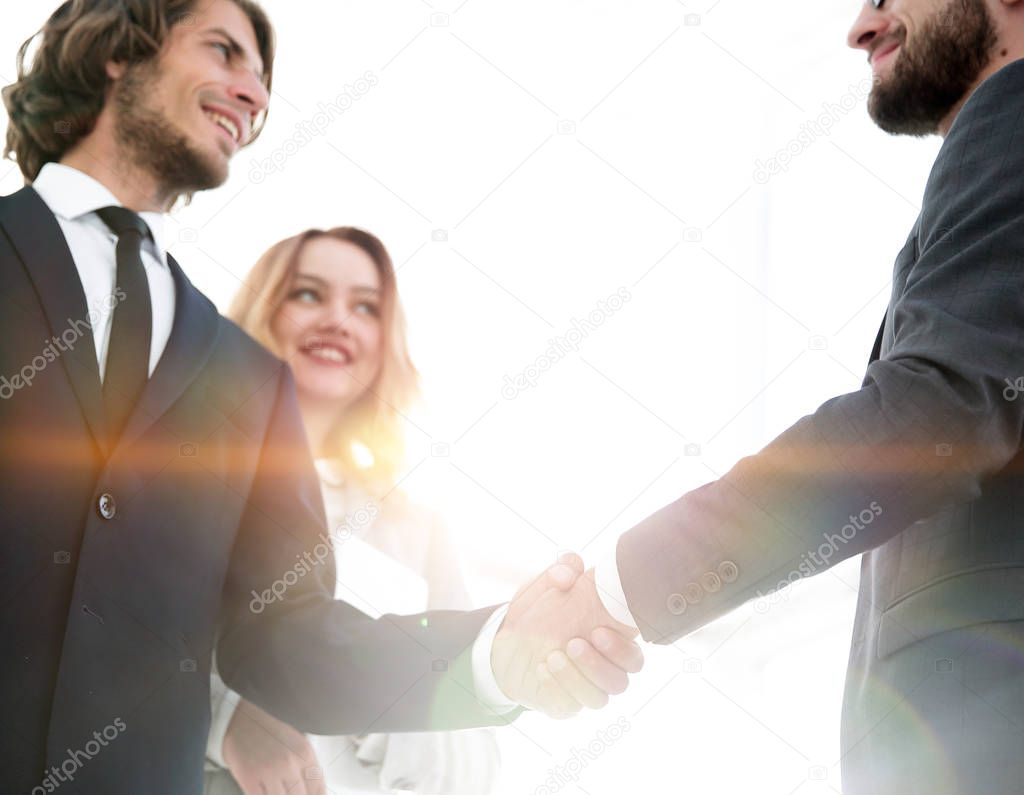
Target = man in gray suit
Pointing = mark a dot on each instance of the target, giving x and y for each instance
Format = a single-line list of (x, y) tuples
[(920, 469)]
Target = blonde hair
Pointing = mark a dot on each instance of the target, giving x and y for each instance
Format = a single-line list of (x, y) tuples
[(375, 420)]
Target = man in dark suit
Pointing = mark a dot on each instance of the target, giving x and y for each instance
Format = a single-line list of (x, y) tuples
[(158, 497), (921, 469)]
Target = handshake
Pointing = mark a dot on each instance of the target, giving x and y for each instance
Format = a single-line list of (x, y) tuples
[(558, 650)]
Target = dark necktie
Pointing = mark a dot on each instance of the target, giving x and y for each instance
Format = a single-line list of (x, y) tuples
[(128, 352)]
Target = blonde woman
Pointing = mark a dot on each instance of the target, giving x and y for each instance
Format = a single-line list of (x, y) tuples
[(326, 302)]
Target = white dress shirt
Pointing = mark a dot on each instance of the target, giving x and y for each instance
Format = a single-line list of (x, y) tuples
[(74, 198), (609, 589), (381, 567)]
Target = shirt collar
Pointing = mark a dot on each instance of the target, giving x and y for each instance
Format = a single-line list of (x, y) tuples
[(71, 194)]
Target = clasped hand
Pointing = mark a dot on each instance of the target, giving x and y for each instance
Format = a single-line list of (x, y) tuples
[(558, 649)]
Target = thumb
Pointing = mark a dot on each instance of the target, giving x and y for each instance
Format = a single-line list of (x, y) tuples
[(565, 572), (562, 575), (572, 560)]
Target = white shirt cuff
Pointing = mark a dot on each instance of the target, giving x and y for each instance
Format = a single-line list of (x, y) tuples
[(609, 590), (224, 702), (487, 689)]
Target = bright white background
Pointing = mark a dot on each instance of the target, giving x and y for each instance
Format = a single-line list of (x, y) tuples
[(525, 160)]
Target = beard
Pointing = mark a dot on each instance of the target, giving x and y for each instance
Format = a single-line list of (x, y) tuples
[(930, 76), (154, 145)]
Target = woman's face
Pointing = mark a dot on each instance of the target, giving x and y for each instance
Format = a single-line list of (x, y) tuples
[(328, 328)]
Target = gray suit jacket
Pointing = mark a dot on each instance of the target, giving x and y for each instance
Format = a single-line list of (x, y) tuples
[(921, 469)]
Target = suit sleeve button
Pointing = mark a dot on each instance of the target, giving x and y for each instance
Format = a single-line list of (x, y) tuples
[(106, 506)]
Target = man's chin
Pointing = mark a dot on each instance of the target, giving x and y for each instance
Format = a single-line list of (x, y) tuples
[(219, 175), (212, 172), (888, 109)]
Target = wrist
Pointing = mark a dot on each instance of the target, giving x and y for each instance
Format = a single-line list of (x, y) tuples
[(602, 615), (487, 665)]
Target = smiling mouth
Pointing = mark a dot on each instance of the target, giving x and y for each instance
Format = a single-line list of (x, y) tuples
[(884, 54), (225, 124), (327, 354)]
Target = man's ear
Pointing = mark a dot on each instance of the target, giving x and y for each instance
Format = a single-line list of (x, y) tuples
[(115, 70)]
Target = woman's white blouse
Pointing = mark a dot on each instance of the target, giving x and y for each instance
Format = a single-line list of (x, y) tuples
[(392, 557)]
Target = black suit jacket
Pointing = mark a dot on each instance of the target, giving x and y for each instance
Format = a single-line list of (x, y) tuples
[(921, 468), (111, 606)]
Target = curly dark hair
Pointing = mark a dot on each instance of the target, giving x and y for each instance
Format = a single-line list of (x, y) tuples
[(58, 96)]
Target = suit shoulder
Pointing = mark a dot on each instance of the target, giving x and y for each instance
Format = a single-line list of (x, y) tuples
[(23, 200), (241, 343), (983, 146), (991, 115), (242, 378), (1005, 87)]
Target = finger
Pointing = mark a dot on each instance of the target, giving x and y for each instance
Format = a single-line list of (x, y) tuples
[(566, 571), (575, 683), (295, 782), (285, 778), (307, 768), (619, 650), (561, 576), (278, 786), (313, 778), (552, 699), (255, 782), (249, 785), (604, 674), (572, 560)]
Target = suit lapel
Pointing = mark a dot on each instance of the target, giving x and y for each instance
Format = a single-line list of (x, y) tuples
[(39, 241), (193, 335)]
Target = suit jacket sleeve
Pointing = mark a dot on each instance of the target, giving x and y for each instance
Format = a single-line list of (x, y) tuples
[(319, 664), (930, 423)]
